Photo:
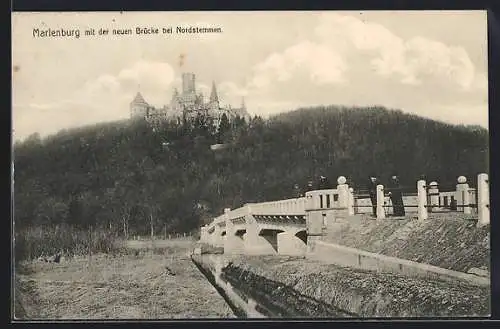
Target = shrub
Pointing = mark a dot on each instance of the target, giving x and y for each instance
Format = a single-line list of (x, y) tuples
[(35, 241)]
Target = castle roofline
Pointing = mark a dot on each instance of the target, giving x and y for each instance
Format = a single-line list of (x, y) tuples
[(139, 99)]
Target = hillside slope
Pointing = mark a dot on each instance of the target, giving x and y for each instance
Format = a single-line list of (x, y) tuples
[(125, 175)]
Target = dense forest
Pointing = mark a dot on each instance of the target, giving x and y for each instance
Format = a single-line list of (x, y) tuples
[(126, 176)]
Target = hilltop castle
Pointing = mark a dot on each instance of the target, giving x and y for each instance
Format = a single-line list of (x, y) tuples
[(187, 104)]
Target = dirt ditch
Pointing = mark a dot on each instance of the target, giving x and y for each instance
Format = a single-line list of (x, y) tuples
[(277, 299), (291, 287)]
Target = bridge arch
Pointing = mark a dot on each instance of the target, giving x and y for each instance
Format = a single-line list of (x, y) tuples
[(292, 242), (271, 236), (240, 232), (302, 235)]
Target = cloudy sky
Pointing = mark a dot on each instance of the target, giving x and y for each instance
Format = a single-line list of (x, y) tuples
[(432, 64)]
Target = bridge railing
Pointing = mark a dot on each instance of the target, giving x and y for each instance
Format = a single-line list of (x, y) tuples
[(236, 213), (427, 198), (463, 198), (322, 199), (294, 206)]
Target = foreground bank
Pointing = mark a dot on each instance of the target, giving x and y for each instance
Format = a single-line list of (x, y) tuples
[(139, 284)]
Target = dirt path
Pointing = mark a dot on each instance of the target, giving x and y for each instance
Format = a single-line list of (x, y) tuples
[(144, 286)]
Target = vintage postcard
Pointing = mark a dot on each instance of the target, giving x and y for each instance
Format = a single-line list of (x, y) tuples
[(285, 164)]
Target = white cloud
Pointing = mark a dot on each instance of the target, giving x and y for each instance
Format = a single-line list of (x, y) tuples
[(321, 63), (104, 98), (157, 75), (42, 107), (267, 107), (106, 83), (201, 88), (459, 113), (356, 61), (326, 58), (480, 83), (432, 59), (345, 31), (344, 59), (230, 93), (152, 79), (413, 61)]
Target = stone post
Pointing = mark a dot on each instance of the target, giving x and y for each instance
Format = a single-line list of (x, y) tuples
[(483, 200), (203, 234), (309, 203), (343, 191), (217, 238), (254, 244), (210, 237), (350, 208), (314, 221), (433, 195), (462, 195), (231, 238), (422, 200), (380, 202)]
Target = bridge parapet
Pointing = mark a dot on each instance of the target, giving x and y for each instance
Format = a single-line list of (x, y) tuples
[(322, 199), (254, 227), (235, 215), (288, 207)]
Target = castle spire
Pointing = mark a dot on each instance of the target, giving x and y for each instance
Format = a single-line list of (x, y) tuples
[(213, 94), (243, 102), (138, 99)]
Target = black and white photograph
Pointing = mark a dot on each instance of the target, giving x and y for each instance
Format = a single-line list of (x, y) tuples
[(250, 165)]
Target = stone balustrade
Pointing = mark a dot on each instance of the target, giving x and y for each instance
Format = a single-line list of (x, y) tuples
[(319, 206)]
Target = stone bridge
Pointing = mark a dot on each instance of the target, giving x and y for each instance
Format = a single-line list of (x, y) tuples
[(278, 227), (292, 226)]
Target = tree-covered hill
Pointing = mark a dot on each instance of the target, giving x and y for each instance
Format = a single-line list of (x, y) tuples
[(125, 175)]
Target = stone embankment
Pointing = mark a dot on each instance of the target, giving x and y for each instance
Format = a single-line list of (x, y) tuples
[(452, 253), (450, 241), (283, 286)]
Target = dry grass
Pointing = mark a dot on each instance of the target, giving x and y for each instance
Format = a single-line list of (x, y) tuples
[(33, 242), (138, 285), (180, 244)]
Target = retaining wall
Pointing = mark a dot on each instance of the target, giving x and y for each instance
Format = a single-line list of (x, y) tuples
[(346, 256)]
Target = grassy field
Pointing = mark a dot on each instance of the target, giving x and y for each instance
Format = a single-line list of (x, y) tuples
[(143, 283)]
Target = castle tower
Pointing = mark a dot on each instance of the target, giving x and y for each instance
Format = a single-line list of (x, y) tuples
[(188, 83), (213, 94), (243, 106), (138, 107), (214, 99)]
